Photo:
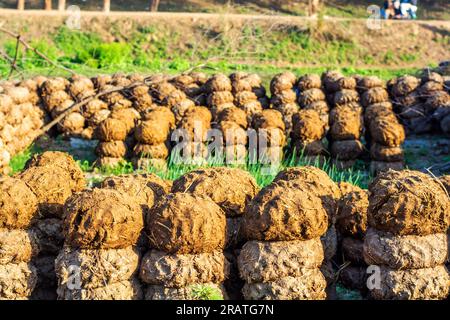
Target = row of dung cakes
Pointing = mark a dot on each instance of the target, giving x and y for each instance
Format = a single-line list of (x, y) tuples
[(189, 255), (423, 104), (303, 104), (346, 125), (21, 117), (384, 134)]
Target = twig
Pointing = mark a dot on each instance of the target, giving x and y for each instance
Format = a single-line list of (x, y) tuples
[(16, 54), (36, 51)]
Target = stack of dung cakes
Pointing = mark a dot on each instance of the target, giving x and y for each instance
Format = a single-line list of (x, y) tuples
[(408, 219), (53, 177), (145, 188), (232, 122), (284, 97), (192, 85), (307, 134), (187, 239), (168, 95), (56, 97), (21, 118), (232, 190), (80, 88), (351, 225), (220, 95), (270, 127), (284, 253), (111, 149), (434, 93), (317, 182), (18, 208), (247, 91), (153, 138), (385, 134), (407, 102), (192, 131), (99, 260), (141, 98), (346, 125), (312, 96)]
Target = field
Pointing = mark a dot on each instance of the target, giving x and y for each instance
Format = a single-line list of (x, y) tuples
[(224, 151)]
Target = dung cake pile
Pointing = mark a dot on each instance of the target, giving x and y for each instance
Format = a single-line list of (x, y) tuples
[(192, 85), (192, 131), (249, 94), (317, 182), (385, 134), (271, 139), (284, 252), (408, 103), (111, 149), (99, 260), (220, 95), (146, 189), (346, 124), (187, 239), (21, 117), (434, 93), (232, 123), (53, 177), (408, 219), (232, 190), (57, 99), (422, 104), (312, 96), (307, 134), (18, 210), (284, 97), (153, 138), (351, 225)]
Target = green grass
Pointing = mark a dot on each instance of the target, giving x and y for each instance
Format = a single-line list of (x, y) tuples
[(153, 48), (356, 175), (205, 292)]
